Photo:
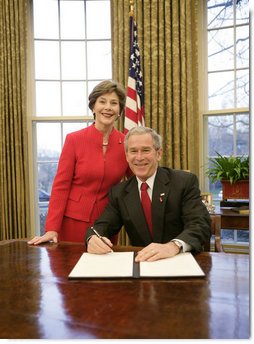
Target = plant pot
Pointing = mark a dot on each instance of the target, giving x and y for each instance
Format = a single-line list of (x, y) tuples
[(237, 190)]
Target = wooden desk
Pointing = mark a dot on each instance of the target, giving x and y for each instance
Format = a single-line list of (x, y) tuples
[(38, 301), (225, 218)]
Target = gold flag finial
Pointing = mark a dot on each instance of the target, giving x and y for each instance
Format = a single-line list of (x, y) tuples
[(131, 13)]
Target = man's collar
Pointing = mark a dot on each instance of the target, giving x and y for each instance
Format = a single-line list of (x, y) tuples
[(149, 181)]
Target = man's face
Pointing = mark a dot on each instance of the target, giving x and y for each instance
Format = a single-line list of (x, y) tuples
[(142, 157)]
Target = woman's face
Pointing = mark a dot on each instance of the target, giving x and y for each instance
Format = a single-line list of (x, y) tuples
[(106, 109)]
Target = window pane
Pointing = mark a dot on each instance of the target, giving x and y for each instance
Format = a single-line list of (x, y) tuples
[(99, 60), (242, 88), (48, 101), (216, 190), (46, 174), (227, 236), (91, 85), (72, 18), (220, 135), (220, 49), (242, 47), (45, 11), (71, 127), (243, 236), (73, 60), (227, 134), (219, 13), (242, 134), (98, 19), (74, 99), (221, 90), (242, 12), (46, 60), (48, 141)]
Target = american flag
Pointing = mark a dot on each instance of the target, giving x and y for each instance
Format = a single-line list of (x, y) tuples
[(134, 109)]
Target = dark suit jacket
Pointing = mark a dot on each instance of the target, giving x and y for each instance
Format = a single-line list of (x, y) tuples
[(177, 211)]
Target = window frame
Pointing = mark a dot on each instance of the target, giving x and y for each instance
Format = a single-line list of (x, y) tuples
[(203, 101), (203, 94), (33, 120)]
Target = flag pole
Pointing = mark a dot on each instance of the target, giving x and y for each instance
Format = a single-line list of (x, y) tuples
[(134, 107), (131, 13)]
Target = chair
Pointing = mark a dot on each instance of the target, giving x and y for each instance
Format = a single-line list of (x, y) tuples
[(215, 229), (227, 218)]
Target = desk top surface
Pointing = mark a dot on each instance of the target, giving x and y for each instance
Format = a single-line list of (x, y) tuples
[(38, 301), (227, 211)]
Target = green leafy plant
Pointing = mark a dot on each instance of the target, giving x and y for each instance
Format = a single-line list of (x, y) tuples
[(232, 168)]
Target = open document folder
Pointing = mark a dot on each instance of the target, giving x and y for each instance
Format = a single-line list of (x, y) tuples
[(121, 264)]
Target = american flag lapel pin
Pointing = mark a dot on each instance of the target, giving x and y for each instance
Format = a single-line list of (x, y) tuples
[(161, 197)]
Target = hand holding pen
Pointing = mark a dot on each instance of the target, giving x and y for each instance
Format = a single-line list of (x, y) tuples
[(101, 246)]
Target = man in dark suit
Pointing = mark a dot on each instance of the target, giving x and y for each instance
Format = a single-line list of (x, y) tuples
[(180, 220)]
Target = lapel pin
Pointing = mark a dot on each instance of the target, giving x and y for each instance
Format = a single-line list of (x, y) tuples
[(161, 197)]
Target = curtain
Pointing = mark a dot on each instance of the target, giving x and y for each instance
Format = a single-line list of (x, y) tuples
[(167, 36), (13, 135)]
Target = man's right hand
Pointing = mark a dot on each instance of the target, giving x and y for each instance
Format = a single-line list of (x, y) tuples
[(97, 246), (48, 236)]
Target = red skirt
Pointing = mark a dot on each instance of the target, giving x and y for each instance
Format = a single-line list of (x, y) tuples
[(75, 230)]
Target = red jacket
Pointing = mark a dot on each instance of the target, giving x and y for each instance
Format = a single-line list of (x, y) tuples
[(84, 175)]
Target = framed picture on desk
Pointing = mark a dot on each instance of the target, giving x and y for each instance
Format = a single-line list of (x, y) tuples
[(207, 199)]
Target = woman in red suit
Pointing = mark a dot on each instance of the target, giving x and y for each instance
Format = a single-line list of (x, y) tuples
[(91, 162)]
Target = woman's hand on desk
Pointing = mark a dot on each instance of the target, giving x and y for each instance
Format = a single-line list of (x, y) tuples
[(48, 236)]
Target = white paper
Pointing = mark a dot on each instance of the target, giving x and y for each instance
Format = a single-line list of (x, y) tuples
[(114, 264), (183, 264)]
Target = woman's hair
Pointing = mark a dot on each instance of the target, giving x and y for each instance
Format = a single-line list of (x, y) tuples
[(157, 140), (107, 86)]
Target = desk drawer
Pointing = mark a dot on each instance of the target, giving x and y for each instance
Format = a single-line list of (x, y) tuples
[(235, 222)]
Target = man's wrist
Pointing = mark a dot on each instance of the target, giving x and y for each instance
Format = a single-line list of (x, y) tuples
[(178, 244), (89, 239)]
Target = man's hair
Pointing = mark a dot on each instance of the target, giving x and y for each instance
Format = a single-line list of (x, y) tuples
[(157, 140), (107, 86)]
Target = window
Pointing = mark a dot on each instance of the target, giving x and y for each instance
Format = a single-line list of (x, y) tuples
[(71, 44), (226, 102)]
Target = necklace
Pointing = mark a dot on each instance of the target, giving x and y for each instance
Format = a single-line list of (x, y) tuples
[(105, 143)]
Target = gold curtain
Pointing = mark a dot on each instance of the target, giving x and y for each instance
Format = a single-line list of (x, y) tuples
[(13, 136), (167, 35)]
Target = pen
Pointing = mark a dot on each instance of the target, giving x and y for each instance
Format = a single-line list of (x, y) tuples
[(100, 237)]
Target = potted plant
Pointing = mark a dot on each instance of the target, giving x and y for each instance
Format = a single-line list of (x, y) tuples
[(233, 173)]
